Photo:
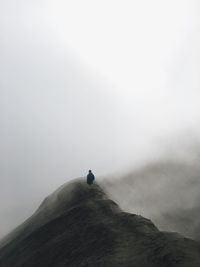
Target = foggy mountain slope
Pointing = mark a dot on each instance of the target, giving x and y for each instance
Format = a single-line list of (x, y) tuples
[(52, 206), (78, 225), (166, 191)]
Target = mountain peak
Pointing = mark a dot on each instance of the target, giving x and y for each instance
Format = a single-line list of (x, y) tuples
[(78, 225), (73, 193)]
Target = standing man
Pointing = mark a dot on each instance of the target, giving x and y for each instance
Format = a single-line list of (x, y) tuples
[(90, 178)]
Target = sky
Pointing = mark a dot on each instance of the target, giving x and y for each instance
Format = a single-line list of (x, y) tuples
[(99, 85)]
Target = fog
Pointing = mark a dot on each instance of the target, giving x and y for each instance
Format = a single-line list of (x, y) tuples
[(165, 189), (87, 85)]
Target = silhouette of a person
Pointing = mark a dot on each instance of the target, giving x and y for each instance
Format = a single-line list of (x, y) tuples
[(90, 177)]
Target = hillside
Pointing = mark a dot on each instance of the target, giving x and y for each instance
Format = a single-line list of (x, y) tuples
[(78, 225), (165, 191)]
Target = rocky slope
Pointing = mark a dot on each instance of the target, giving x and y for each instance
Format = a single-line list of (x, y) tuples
[(165, 191), (78, 225)]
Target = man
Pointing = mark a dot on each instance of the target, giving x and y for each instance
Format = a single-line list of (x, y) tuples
[(90, 177)]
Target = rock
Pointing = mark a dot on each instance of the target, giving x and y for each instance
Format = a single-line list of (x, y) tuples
[(78, 225)]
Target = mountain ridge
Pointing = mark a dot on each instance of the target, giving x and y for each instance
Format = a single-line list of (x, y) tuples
[(78, 225)]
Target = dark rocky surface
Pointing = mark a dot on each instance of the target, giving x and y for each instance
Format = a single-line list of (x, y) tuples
[(78, 225)]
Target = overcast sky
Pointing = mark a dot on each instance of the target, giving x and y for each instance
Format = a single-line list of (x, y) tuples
[(90, 84)]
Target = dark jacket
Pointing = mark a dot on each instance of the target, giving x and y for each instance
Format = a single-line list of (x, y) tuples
[(90, 178)]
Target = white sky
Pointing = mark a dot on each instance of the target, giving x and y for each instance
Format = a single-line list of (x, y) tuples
[(133, 43), (148, 51), (90, 84)]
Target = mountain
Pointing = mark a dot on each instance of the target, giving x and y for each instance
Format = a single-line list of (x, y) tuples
[(167, 191), (78, 225)]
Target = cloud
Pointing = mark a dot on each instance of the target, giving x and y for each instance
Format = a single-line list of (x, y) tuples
[(166, 190)]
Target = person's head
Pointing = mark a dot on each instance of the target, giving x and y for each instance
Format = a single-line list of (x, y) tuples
[(90, 171)]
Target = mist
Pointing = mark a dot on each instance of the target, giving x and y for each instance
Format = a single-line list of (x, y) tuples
[(85, 85), (165, 190)]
